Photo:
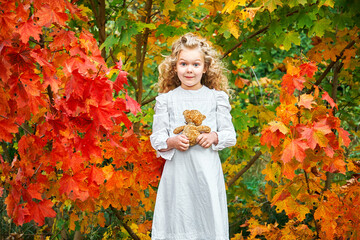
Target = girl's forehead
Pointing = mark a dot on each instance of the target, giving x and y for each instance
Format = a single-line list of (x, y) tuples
[(191, 53)]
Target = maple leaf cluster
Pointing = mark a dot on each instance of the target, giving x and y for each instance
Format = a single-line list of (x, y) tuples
[(73, 139), (305, 133), (307, 143)]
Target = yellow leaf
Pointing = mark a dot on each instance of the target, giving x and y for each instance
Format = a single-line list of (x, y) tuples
[(277, 125), (234, 29), (272, 5), (168, 6), (265, 114), (327, 3), (232, 4), (198, 2)]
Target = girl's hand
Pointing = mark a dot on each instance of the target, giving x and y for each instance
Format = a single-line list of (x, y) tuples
[(206, 139), (179, 142)]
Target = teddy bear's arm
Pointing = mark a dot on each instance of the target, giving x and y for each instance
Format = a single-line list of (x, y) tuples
[(203, 128), (178, 129)]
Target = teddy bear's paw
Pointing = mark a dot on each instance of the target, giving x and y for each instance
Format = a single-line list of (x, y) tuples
[(205, 129), (178, 130)]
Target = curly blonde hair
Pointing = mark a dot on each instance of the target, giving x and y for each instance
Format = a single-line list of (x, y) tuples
[(214, 76)]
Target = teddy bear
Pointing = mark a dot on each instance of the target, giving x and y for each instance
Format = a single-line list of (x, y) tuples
[(193, 127)]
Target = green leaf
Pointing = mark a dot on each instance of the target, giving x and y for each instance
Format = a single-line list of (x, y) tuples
[(306, 19), (320, 26), (168, 6), (240, 120), (109, 42), (141, 26), (291, 37), (125, 37)]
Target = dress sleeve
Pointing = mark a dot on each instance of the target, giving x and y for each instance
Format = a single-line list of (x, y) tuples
[(225, 128), (160, 129)]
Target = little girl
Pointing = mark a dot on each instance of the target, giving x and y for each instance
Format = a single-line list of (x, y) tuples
[(191, 198)]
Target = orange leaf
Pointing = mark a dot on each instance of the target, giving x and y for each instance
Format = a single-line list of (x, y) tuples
[(7, 127), (277, 125), (326, 97), (344, 137), (73, 218), (271, 138), (308, 68), (29, 29), (306, 100), (290, 83), (316, 135), (47, 15), (296, 148), (241, 82), (39, 211)]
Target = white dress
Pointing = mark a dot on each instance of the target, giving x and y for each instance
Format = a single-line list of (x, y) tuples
[(191, 198)]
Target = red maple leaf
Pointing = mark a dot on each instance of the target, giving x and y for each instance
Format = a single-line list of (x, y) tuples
[(326, 97), (95, 175), (74, 186), (103, 114), (296, 148), (344, 137), (292, 82), (48, 15), (120, 81), (5, 66), (20, 214), (29, 29), (7, 127), (315, 135), (62, 38), (75, 85), (271, 138), (39, 211), (308, 68), (132, 105)]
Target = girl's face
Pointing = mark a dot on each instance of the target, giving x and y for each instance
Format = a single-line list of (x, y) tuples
[(190, 67)]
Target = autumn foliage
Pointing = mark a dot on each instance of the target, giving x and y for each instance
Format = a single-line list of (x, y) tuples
[(67, 114), (68, 143)]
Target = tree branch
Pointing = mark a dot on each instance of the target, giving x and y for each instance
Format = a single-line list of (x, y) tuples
[(148, 101), (330, 66), (242, 171), (242, 41), (131, 80), (127, 228)]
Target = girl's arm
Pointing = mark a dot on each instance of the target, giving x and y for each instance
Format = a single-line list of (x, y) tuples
[(160, 130), (225, 129)]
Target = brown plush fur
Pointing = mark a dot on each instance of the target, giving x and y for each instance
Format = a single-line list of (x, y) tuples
[(193, 128)]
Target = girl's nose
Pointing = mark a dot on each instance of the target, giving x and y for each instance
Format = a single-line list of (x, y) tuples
[(189, 68)]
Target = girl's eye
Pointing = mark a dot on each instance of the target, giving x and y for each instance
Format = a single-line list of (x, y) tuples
[(196, 65), (183, 64)]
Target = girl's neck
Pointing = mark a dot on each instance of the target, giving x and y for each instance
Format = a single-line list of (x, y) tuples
[(191, 88)]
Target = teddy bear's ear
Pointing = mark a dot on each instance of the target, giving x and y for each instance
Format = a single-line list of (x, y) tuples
[(185, 112), (203, 117)]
